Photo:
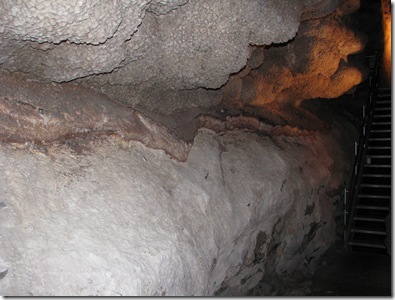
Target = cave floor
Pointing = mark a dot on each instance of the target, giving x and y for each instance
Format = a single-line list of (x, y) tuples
[(353, 274)]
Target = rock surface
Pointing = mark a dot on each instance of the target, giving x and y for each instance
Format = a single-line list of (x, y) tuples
[(316, 64), (123, 219), (169, 55), (197, 172), (53, 113)]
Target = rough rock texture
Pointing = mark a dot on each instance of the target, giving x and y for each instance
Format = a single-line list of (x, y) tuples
[(123, 219), (48, 113), (88, 210), (45, 114), (319, 8), (316, 64), (177, 45), (156, 54)]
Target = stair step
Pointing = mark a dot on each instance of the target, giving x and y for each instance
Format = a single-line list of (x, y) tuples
[(383, 109), (373, 244), (376, 175), (379, 148), (369, 231), (382, 116), (375, 185), (383, 94), (373, 201), (380, 139), (377, 166), (379, 156), (384, 89), (367, 218), (367, 207), (380, 130), (381, 123), (386, 164), (379, 161), (374, 196), (382, 120), (371, 207)]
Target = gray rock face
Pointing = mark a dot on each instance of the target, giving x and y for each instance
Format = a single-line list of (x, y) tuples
[(145, 51), (127, 220), (197, 45)]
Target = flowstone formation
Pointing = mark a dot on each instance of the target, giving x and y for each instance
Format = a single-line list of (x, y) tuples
[(123, 219), (159, 147), (318, 63)]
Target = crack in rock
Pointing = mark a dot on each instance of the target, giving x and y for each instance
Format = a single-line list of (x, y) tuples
[(3, 274)]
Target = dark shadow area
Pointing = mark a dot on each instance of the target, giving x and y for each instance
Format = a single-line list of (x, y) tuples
[(352, 274)]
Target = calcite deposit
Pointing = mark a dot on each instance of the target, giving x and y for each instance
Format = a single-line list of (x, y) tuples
[(169, 55), (318, 63), (160, 147), (123, 219)]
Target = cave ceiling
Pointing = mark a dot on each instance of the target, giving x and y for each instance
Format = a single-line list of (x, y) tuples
[(178, 58)]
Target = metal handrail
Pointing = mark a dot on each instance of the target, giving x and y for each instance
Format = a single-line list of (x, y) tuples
[(360, 152)]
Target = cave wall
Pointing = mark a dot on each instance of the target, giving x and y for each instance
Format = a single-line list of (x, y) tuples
[(320, 62), (123, 219), (314, 65), (105, 190)]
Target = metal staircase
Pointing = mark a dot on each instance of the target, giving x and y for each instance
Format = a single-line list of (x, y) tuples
[(370, 188)]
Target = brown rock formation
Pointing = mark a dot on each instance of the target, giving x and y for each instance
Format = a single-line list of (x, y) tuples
[(315, 64), (47, 113)]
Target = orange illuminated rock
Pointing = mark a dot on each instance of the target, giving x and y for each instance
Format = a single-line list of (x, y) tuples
[(316, 64)]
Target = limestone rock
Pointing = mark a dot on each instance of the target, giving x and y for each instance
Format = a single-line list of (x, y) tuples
[(316, 64), (127, 220), (76, 21), (48, 113), (164, 6), (165, 55), (98, 199), (193, 46), (319, 8)]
